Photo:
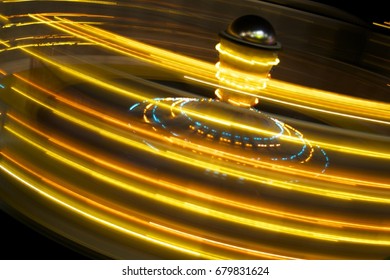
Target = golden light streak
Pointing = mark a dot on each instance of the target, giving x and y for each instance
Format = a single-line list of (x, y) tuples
[(134, 219), (190, 154), (127, 46), (88, 110), (127, 42), (207, 72), (3, 18), (94, 218), (381, 25), (326, 96), (200, 209), (238, 248), (187, 160), (265, 97), (49, 44), (243, 59), (200, 195)]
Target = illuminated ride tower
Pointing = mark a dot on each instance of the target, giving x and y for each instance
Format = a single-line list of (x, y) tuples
[(230, 124), (247, 53)]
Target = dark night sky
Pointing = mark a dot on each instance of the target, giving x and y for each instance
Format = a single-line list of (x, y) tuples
[(368, 11)]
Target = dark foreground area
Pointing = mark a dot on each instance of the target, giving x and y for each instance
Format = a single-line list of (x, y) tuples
[(32, 243)]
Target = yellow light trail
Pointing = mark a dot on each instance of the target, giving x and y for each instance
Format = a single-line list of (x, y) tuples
[(49, 44), (139, 96), (244, 59), (130, 47), (180, 152), (199, 195), (384, 113), (326, 145), (381, 25), (281, 168), (353, 151), (370, 110), (21, 24), (142, 221), (64, 15), (240, 80), (220, 244), (3, 18), (180, 204), (326, 96), (203, 210), (99, 220), (263, 180)]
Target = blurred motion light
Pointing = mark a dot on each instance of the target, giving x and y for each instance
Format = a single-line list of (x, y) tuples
[(247, 52)]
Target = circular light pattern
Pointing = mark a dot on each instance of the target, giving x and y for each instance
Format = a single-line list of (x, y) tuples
[(260, 136)]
